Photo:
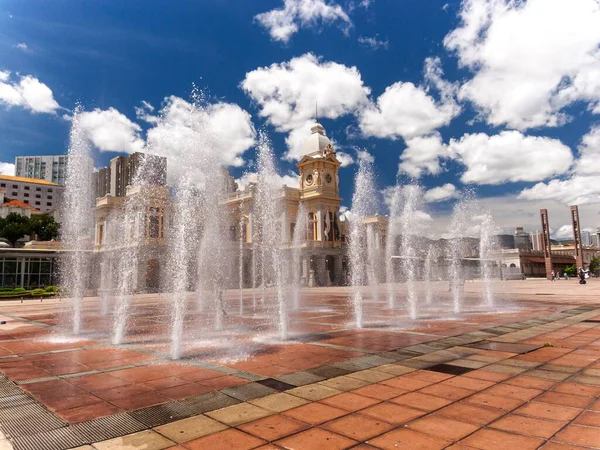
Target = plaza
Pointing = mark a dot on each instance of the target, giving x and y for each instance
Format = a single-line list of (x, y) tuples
[(525, 375)]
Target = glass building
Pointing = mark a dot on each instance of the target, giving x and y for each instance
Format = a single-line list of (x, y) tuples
[(29, 269)]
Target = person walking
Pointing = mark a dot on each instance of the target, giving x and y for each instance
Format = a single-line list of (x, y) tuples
[(566, 276), (553, 276), (581, 276)]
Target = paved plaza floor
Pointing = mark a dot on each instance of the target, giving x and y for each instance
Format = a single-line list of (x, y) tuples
[(524, 375)]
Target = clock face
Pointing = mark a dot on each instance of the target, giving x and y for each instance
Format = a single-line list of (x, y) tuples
[(328, 178), (309, 179)]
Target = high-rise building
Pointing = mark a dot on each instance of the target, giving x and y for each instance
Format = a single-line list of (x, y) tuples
[(537, 241), (522, 239), (51, 168), (586, 238), (114, 179)]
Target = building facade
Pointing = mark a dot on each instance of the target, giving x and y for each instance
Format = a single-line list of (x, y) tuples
[(43, 195), (522, 239), (51, 168)]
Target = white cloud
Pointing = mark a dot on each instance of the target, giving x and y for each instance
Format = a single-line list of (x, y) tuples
[(509, 157), (529, 59), (578, 190), (7, 168), (564, 232), (441, 193), (27, 92), (290, 179), (422, 155), (344, 158), (407, 110), (111, 131), (22, 46), (588, 162), (373, 42), (188, 133), (287, 94), (284, 22)]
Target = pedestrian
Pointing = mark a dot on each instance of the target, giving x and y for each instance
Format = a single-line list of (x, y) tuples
[(553, 276), (581, 276), (566, 276)]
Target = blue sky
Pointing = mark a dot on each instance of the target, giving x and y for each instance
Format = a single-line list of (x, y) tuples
[(481, 94)]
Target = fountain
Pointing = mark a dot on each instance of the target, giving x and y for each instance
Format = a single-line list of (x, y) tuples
[(298, 237)]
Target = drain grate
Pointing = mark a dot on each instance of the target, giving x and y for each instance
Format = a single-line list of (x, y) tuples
[(208, 402), (154, 416), (10, 391), (60, 439), (108, 427), (450, 369), (276, 384), (28, 420)]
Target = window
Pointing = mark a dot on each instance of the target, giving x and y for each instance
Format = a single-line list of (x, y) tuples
[(37, 203), (26, 188), (15, 186), (154, 226), (26, 202), (49, 197), (14, 194), (3, 185), (49, 204), (38, 189), (26, 195), (49, 189), (38, 196)]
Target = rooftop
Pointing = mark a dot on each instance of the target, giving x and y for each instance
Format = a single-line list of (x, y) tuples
[(27, 180), (18, 204)]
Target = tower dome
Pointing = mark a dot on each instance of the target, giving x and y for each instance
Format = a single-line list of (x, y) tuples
[(317, 140)]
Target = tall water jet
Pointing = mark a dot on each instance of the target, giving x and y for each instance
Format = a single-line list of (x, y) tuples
[(486, 246), (390, 247), (373, 260), (78, 221), (297, 239), (180, 256), (428, 275), (364, 203), (267, 198), (113, 233), (408, 218), (241, 258)]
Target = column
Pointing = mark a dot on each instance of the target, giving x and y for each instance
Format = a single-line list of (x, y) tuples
[(320, 223)]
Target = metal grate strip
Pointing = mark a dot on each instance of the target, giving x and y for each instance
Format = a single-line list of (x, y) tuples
[(108, 427), (154, 416), (60, 439)]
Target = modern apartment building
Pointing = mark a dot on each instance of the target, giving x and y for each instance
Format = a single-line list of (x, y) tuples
[(51, 168), (41, 194), (114, 179)]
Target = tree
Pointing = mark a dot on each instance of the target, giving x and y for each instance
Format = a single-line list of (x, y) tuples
[(571, 270), (44, 226), (595, 265), (14, 227)]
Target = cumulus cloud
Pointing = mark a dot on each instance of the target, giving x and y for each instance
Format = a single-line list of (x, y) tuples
[(588, 162), (374, 43), (27, 92), (422, 156), (283, 23), (291, 179), (22, 46), (288, 92), (529, 59), (564, 232), (7, 168), (441, 193), (509, 156), (577, 190), (406, 110), (344, 158), (187, 133), (111, 131)]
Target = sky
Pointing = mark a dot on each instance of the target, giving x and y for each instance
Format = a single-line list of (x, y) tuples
[(496, 97)]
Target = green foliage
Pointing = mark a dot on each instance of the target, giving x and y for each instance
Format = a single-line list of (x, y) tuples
[(19, 290), (571, 270), (38, 292), (595, 265), (14, 227), (44, 226), (52, 289)]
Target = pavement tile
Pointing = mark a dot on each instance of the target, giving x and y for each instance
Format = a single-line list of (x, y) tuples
[(548, 411), (405, 383), (371, 376), (358, 427), (488, 439), (579, 435), (472, 384), (443, 427), (190, 428), (558, 398), (427, 375), (225, 440), (350, 401), (315, 413), (527, 425), (139, 401), (148, 440), (511, 391), (88, 412), (279, 402), (314, 392), (471, 413), (578, 389), (409, 439), (237, 414), (530, 382), (447, 392), (589, 418), (422, 401), (344, 383), (494, 401), (379, 391), (316, 439), (273, 427), (487, 375), (392, 413)]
